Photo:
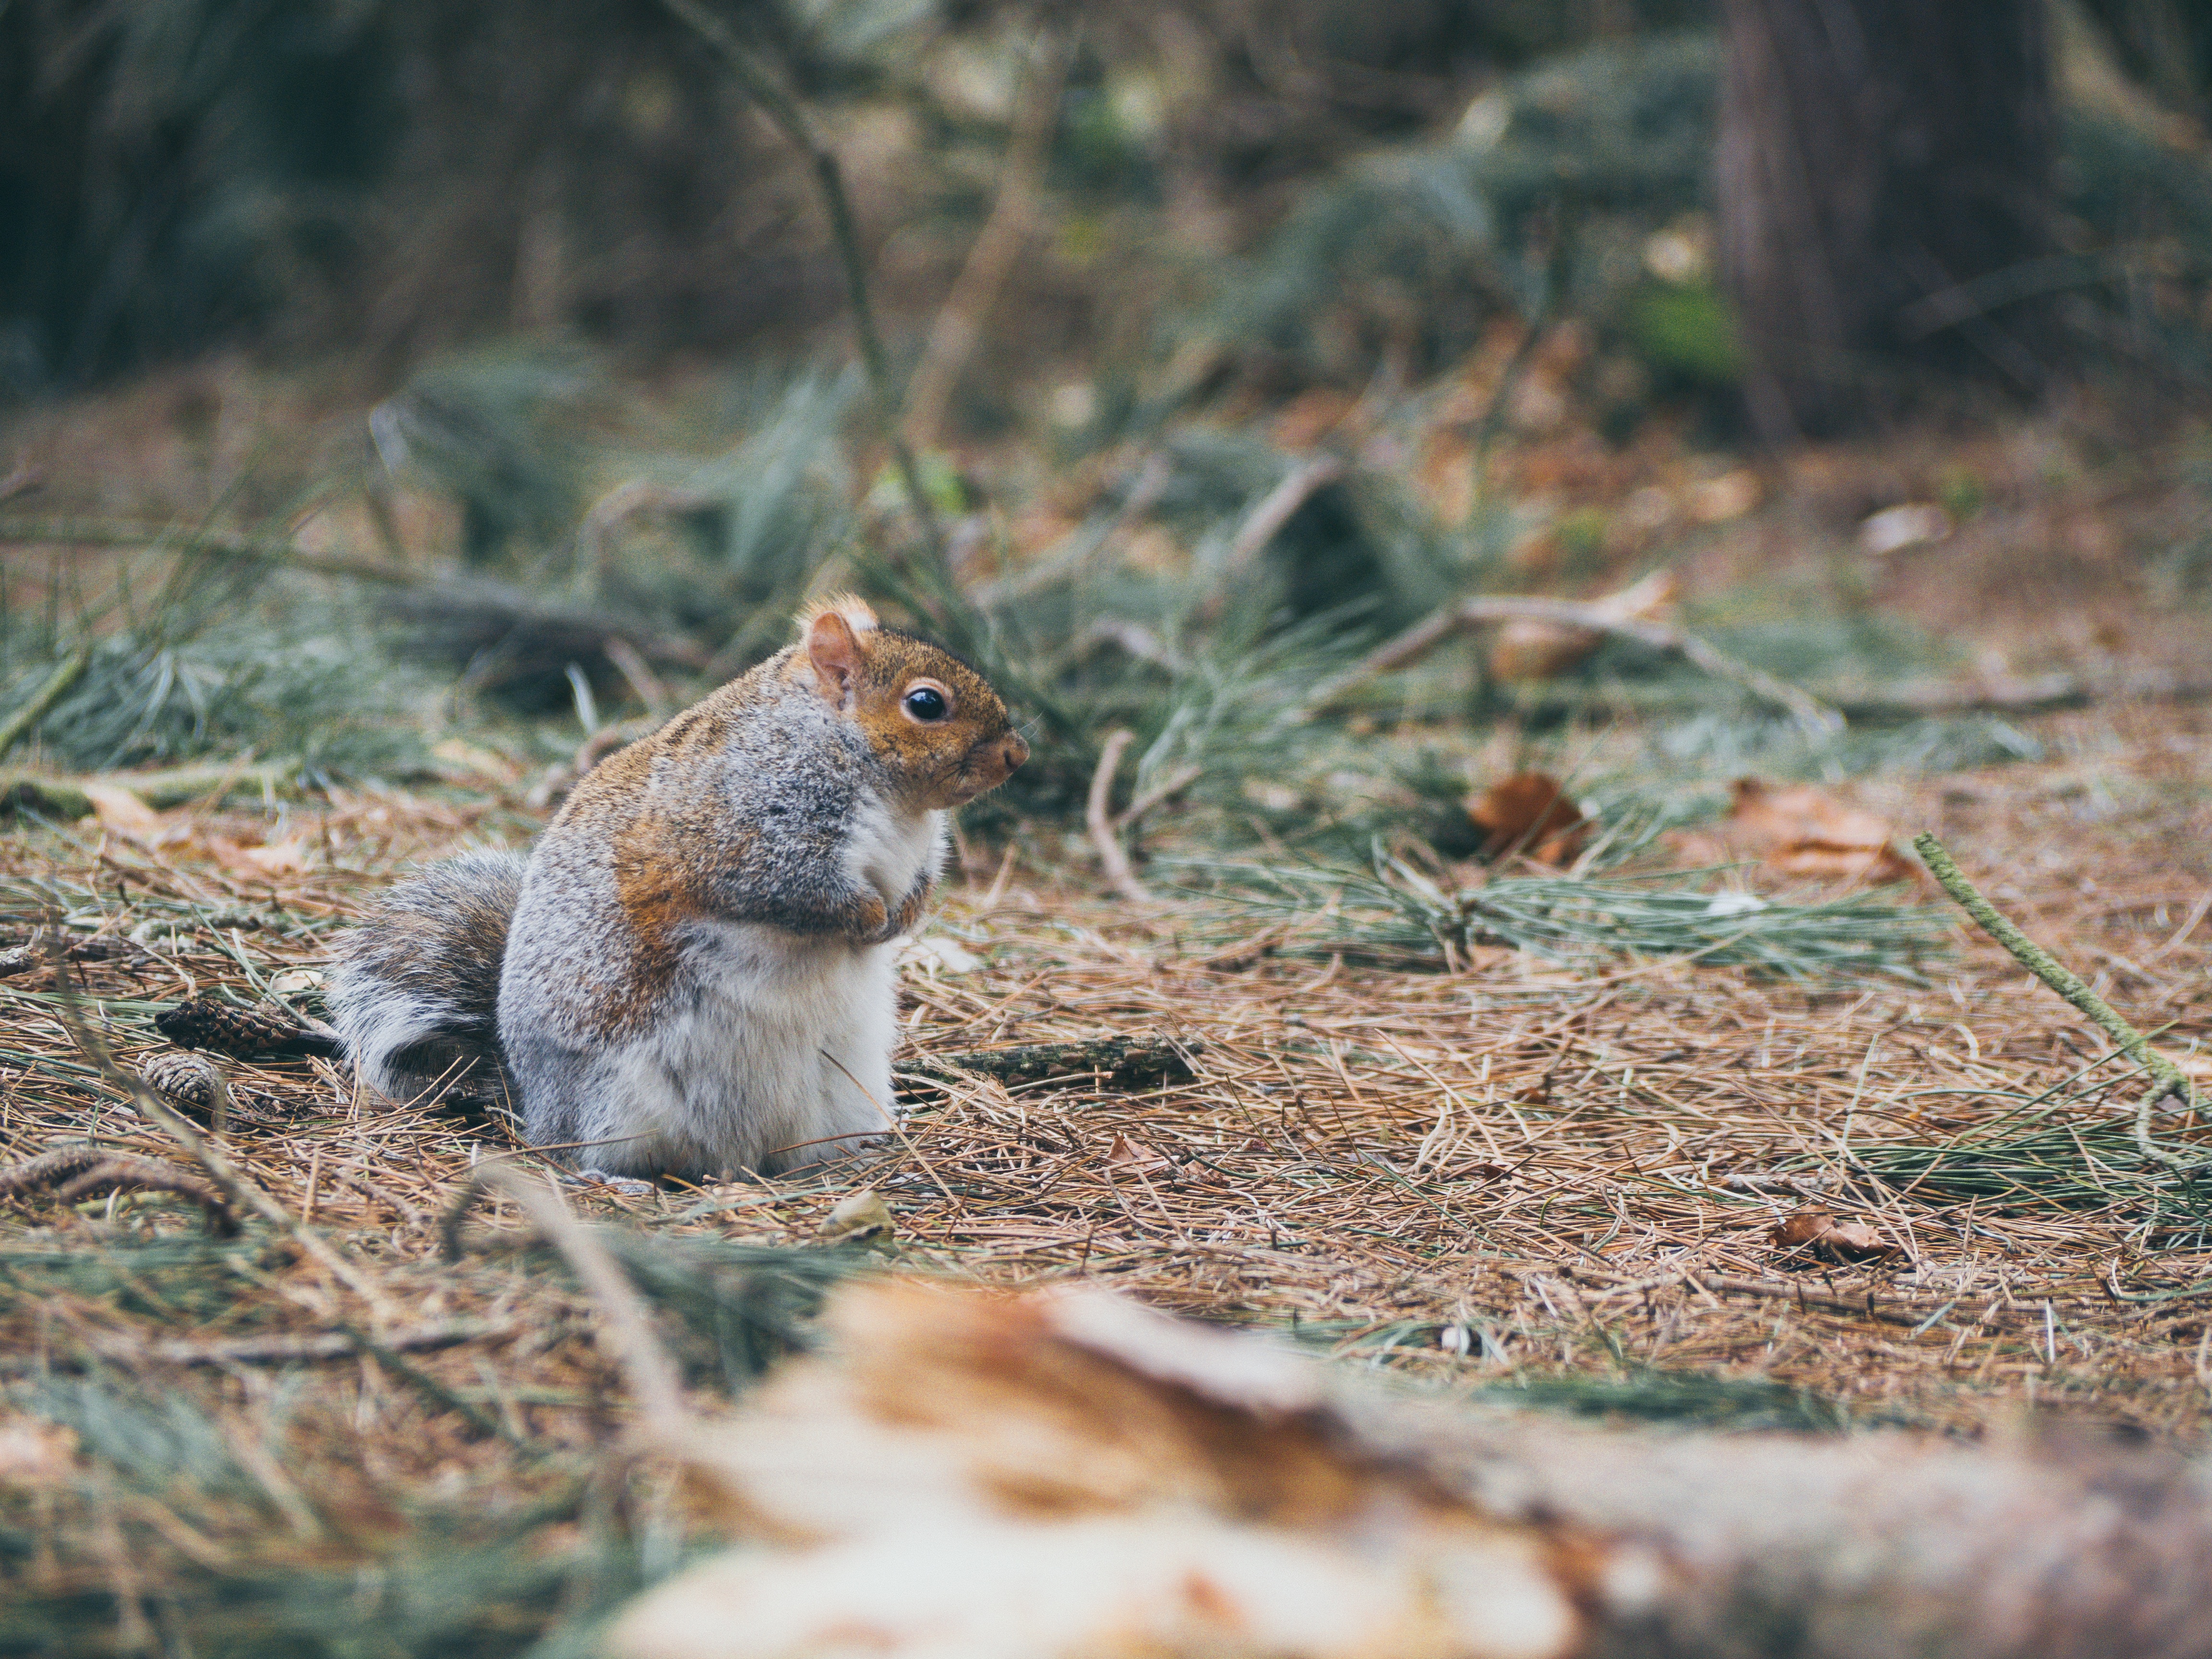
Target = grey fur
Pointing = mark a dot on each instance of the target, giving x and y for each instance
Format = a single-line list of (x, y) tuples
[(784, 909), (693, 972), (415, 990)]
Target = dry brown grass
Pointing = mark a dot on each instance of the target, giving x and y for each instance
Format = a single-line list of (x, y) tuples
[(1506, 1175)]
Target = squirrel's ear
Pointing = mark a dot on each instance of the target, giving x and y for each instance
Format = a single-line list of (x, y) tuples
[(835, 650)]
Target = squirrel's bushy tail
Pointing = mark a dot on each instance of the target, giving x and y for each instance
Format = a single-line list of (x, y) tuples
[(415, 992)]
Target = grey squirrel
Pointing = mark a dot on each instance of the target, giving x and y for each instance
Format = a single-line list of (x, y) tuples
[(691, 972)]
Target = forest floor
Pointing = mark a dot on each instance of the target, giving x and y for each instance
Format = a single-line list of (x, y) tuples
[(1503, 1176)]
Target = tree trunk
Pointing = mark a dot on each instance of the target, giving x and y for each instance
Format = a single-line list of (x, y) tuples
[(1882, 161), (1073, 1475)]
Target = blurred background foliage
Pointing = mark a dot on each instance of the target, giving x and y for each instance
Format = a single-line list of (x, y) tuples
[(1285, 279)]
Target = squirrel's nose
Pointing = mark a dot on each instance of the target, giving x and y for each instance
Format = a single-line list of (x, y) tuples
[(1015, 750)]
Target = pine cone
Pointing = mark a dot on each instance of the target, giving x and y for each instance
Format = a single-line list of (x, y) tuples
[(204, 1023), (190, 1080), (181, 1076)]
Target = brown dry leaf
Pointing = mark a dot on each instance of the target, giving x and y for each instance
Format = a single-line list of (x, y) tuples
[(35, 1453), (1132, 1154), (861, 1215), (1529, 813), (1544, 650), (122, 813), (260, 863), (1799, 831), (288, 857), (1803, 1228), (1820, 1231)]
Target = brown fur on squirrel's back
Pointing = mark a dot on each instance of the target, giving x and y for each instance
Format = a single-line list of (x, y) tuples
[(692, 971)]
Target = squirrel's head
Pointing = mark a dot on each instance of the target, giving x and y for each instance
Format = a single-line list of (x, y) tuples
[(934, 722)]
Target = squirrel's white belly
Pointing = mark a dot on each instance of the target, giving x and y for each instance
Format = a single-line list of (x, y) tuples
[(780, 1057)]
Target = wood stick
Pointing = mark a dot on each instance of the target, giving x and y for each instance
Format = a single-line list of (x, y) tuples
[(57, 685), (626, 1330), (65, 797), (2166, 1078), (1120, 1056), (1166, 790), (1099, 821), (1466, 615), (959, 324), (789, 117)]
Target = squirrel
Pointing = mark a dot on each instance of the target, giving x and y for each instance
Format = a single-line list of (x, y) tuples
[(691, 972)]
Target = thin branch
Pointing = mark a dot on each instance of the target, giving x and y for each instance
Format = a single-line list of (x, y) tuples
[(76, 1172), (2167, 1078), (626, 1331), (243, 1192), (1466, 615), (57, 686), (1166, 790), (1097, 818), (959, 325), (267, 549), (1278, 508), (790, 119)]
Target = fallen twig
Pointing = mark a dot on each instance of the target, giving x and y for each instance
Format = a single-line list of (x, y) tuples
[(2167, 1078), (789, 117), (1161, 792), (625, 1330), (77, 1171), (1466, 615), (1863, 1306), (176, 786), (336, 1345), (54, 689), (1142, 1058), (1100, 822)]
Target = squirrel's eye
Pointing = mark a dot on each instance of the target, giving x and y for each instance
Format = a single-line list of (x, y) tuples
[(926, 704)]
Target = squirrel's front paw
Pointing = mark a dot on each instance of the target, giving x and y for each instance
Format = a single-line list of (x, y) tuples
[(908, 914), (871, 920)]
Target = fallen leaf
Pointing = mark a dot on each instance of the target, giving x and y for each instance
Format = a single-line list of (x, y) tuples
[(263, 863), (1529, 813), (1820, 1232), (1530, 650), (1133, 1155), (1799, 831), (124, 813), (1896, 528), (1717, 501), (857, 1216), (35, 1453)]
